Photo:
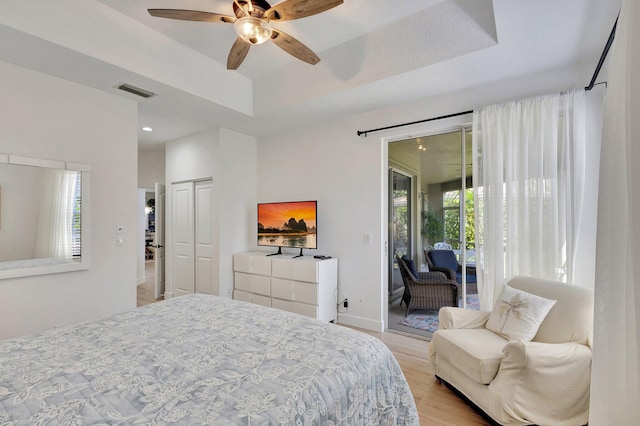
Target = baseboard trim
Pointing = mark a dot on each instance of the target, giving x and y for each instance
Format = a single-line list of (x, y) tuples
[(361, 322), (142, 280), (168, 295)]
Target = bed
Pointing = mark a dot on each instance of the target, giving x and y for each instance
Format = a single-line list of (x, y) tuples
[(202, 359)]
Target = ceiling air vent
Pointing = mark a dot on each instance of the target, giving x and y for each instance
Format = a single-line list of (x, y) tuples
[(135, 90)]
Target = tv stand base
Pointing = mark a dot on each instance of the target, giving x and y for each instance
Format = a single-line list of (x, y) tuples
[(278, 253)]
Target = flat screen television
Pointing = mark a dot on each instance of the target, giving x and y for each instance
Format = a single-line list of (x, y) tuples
[(288, 224)]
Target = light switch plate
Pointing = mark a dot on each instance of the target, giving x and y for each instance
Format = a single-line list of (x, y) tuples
[(367, 237)]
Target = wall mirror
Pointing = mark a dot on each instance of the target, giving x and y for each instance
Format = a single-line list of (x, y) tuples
[(44, 216)]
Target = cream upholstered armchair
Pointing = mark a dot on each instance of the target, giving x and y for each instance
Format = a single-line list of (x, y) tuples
[(537, 375)]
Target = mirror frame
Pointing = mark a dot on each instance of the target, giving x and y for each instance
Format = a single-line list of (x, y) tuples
[(83, 264)]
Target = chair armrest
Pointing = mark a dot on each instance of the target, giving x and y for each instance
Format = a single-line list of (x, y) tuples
[(447, 271), (432, 276), (553, 376), (451, 317)]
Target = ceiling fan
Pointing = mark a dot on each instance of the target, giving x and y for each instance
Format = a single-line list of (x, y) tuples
[(253, 21)]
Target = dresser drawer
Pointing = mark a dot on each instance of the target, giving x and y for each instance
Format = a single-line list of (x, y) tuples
[(306, 310), (243, 296), (261, 300), (294, 291), (282, 289), (295, 307), (251, 264), (253, 283), (251, 298), (295, 269)]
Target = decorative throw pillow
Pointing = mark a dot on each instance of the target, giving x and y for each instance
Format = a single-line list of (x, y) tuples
[(412, 266), (517, 315)]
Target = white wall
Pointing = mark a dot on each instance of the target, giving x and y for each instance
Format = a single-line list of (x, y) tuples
[(236, 196), (343, 172), (229, 158), (50, 118), (151, 168), (347, 174)]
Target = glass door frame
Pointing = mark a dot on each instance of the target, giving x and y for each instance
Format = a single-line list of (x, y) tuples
[(463, 214), (411, 225), (428, 128)]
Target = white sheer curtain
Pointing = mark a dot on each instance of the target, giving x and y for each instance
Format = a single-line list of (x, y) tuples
[(55, 215), (528, 171), (615, 389)]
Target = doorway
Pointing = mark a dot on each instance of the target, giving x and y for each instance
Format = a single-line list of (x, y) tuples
[(440, 197), (150, 265), (151, 254)]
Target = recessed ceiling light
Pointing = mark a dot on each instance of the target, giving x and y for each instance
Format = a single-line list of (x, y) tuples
[(147, 129)]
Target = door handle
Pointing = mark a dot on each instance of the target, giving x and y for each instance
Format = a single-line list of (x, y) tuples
[(157, 246)]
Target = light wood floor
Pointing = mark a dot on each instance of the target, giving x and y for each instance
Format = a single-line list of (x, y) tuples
[(437, 404), (145, 291)]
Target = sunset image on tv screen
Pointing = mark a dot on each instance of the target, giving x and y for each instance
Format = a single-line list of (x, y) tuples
[(291, 224)]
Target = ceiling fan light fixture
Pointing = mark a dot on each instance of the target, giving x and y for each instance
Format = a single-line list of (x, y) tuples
[(253, 30)]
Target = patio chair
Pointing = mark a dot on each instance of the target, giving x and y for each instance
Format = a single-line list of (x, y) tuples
[(426, 290), (442, 246), (445, 261)]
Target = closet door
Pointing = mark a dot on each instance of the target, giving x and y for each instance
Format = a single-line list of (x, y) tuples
[(183, 225), (204, 236)]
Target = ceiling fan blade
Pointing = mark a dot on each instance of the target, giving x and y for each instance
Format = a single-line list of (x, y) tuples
[(294, 47), (191, 15), (295, 9), (237, 54)]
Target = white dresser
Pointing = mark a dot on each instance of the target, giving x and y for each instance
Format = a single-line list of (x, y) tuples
[(303, 285)]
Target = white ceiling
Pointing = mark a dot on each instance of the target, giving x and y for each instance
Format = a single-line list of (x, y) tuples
[(374, 53), (439, 157)]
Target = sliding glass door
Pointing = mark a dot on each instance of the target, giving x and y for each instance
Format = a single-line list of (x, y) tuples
[(400, 229), (430, 207)]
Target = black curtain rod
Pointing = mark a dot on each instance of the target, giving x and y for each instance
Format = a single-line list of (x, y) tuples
[(605, 52), (364, 132), (592, 83)]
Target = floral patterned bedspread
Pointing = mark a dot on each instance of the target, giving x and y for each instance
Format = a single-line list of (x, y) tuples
[(202, 359)]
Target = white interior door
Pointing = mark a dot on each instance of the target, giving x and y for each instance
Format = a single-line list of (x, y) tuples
[(204, 237), (158, 244), (183, 275)]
